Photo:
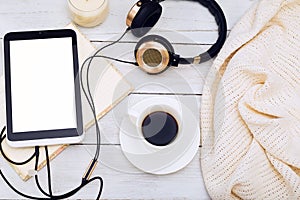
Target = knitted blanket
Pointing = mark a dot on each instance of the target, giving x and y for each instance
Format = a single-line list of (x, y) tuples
[(250, 115)]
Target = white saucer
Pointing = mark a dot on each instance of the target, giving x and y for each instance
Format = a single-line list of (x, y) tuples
[(161, 160)]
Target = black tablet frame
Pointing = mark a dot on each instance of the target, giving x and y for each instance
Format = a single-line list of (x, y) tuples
[(45, 134)]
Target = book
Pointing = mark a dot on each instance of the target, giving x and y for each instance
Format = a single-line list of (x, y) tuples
[(108, 88)]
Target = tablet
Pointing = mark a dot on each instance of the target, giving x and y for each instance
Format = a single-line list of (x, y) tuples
[(42, 88)]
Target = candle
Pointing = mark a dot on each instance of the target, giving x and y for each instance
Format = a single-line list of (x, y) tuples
[(88, 13)]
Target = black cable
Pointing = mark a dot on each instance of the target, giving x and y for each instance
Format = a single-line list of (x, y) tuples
[(115, 59), (48, 171), (90, 60), (99, 56), (6, 157), (2, 131), (36, 176), (36, 169), (213, 7), (88, 94), (14, 189), (36, 154), (48, 174), (50, 196), (85, 180), (69, 194)]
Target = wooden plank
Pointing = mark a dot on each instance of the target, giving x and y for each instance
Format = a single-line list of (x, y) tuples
[(111, 122), (121, 177), (234, 11), (185, 79), (122, 180), (198, 25), (182, 26)]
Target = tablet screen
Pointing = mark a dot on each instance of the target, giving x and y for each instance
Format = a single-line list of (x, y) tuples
[(42, 85)]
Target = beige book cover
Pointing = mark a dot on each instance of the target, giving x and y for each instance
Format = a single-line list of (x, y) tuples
[(108, 87)]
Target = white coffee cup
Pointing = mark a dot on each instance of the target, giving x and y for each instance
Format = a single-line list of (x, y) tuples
[(140, 111), (160, 159)]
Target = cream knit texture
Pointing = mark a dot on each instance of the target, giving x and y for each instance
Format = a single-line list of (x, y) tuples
[(250, 114)]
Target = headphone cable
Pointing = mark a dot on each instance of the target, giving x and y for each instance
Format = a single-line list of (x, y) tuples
[(86, 178), (2, 137), (87, 93), (49, 196)]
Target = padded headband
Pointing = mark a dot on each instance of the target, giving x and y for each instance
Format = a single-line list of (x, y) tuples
[(217, 12), (148, 14)]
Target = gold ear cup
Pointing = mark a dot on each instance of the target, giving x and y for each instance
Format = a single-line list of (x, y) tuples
[(152, 57), (132, 13)]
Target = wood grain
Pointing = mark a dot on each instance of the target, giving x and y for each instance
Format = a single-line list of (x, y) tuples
[(122, 180), (191, 29), (188, 18)]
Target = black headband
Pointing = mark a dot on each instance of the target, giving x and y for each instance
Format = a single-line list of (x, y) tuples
[(219, 16)]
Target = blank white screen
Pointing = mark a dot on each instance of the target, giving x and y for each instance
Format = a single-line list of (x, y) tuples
[(42, 84)]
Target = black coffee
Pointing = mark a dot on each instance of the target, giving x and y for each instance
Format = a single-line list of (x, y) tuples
[(159, 128)]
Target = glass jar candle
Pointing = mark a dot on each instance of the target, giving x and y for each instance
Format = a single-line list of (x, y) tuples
[(88, 13)]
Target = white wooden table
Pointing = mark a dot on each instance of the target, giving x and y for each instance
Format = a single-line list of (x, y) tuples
[(197, 30)]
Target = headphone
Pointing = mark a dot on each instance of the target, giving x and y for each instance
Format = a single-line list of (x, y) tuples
[(153, 53)]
